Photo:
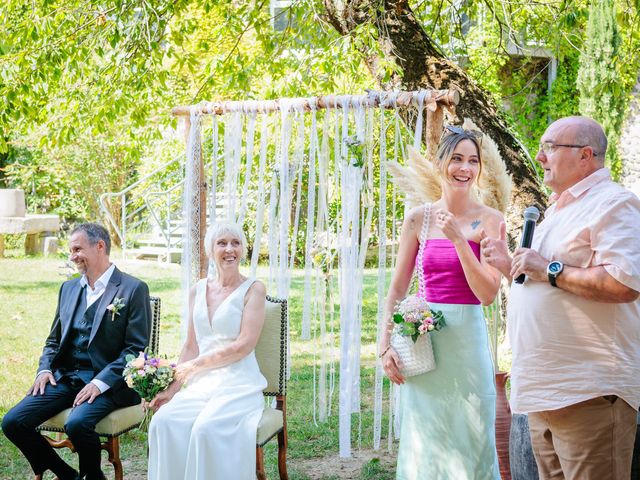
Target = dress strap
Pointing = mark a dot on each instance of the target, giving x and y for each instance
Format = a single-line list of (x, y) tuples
[(201, 287), (422, 239), (244, 287)]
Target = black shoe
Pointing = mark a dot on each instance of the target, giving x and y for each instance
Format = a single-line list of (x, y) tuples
[(100, 476), (72, 476)]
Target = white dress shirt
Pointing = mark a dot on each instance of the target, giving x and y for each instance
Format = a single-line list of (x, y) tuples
[(92, 295)]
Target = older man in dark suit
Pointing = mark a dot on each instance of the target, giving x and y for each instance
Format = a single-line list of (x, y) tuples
[(101, 317)]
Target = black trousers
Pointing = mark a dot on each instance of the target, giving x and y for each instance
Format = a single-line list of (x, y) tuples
[(19, 426)]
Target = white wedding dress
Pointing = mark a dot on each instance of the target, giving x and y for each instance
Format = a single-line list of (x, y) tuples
[(208, 430)]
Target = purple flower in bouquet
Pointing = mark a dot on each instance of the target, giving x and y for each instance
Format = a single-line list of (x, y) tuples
[(148, 375)]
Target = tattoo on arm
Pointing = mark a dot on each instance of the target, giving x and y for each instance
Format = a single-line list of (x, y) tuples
[(475, 224)]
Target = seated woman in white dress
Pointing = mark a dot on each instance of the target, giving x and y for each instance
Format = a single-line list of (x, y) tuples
[(206, 421)]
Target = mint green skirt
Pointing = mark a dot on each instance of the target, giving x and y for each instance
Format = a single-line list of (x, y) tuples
[(447, 416)]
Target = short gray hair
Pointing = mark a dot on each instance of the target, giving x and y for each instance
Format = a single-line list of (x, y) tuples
[(94, 232), (590, 133), (216, 230)]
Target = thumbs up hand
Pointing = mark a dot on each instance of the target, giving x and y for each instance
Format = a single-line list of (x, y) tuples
[(494, 251)]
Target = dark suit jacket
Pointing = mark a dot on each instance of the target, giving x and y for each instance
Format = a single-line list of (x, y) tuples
[(110, 340)]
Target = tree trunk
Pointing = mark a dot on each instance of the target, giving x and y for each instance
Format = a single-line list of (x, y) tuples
[(401, 37)]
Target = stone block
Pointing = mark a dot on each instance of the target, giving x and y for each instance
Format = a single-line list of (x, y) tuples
[(30, 224), (32, 244), (35, 226), (51, 246), (12, 203)]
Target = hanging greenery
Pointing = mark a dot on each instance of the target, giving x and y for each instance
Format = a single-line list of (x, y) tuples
[(603, 95)]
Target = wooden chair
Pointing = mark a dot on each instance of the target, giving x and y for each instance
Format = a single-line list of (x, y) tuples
[(117, 422), (271, 353)]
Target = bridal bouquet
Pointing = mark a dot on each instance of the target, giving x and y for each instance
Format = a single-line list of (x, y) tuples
[(414, 319), (148, 375)]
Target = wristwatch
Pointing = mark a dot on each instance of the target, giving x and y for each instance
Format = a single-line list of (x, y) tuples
[(554, 269)]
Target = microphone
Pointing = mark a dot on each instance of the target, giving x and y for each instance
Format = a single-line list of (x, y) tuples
[(531, 215)]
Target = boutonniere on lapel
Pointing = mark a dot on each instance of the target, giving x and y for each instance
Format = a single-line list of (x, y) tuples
[(115, 307)]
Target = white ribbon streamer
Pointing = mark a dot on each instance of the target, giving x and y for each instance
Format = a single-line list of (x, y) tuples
[(257, 242), (191, 215), (311, 207)]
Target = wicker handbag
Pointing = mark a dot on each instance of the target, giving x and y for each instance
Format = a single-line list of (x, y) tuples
[(416, 357)]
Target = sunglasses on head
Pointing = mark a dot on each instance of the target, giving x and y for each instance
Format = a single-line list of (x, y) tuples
[(476, 134), (454, 129)]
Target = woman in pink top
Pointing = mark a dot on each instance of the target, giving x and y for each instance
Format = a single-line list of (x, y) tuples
[(448, 414)]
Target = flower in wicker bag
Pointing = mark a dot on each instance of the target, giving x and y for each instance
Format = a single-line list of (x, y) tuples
[(414, 320)]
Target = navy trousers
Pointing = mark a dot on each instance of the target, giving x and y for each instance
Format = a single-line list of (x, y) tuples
[(20, 423)]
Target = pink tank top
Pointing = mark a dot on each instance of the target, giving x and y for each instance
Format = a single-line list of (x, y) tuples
[(445, 280)]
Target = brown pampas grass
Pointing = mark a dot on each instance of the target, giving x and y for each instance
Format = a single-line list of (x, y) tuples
[(418, 179), (495, 183)]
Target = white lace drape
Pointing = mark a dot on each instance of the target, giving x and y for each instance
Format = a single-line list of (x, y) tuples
[(191, 214), (302, 181)]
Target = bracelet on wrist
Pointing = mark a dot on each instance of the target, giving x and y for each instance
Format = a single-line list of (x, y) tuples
[(384, 351)]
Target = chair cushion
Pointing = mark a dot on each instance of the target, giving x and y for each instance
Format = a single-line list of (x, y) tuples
[(270, 348), (117, 422), (271, 423)]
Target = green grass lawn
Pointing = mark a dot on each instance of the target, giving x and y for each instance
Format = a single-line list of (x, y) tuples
[(28, 295)]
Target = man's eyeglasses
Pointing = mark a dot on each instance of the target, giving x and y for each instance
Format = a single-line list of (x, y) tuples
[(549, 147)]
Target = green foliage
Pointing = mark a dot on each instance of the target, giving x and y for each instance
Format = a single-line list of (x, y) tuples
[(14, 242), (601, 87), (500, 47), (356, 151), (563, 100), (374, 469), (67, 65), (69, 179), (77, 76)]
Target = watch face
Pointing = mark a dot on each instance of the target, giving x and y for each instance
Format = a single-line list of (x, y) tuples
[(554, 267)]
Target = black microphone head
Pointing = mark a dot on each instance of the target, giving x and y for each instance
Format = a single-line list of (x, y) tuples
[(531, 213)]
